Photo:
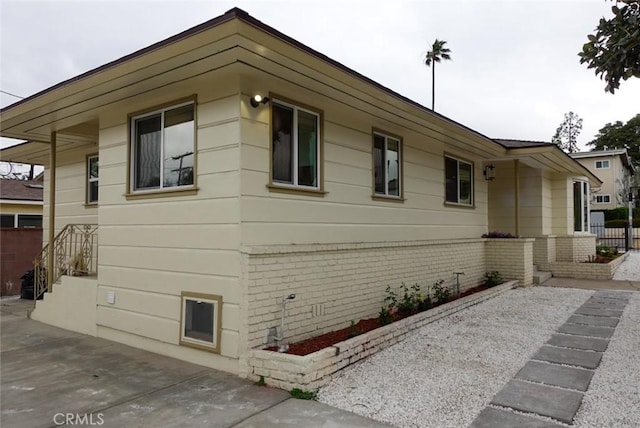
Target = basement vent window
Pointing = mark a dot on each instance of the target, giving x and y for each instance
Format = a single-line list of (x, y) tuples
[(201, 321)]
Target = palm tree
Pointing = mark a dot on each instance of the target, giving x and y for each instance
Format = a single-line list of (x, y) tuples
[(437, 53)]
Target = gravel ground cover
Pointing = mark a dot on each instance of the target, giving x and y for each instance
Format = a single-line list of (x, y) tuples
[(447, 372), (613, 398), (630, 269)]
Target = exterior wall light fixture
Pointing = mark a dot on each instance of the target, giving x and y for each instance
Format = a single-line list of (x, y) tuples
[(258, 99), (489, 172)]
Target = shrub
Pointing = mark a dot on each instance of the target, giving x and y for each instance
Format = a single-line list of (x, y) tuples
[(621, 223), (496, 234), (492, 278), (441, 294), (606, 251)]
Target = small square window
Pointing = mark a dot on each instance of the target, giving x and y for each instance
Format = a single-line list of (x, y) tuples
[(30, 220), (603, 199), (201, 321), (602, 164)]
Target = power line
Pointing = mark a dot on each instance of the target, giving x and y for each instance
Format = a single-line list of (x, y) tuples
[(13, 95)]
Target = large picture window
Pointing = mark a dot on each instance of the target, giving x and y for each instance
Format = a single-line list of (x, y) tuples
[(580, 206), (295, 143), (387, 165), (200, 321), (92, 179), (458, 181), (163, 145)]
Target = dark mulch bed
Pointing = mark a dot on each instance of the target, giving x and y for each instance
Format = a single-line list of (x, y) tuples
[(317, 343)]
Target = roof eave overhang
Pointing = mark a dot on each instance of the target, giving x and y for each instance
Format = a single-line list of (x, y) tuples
[(553, 159)]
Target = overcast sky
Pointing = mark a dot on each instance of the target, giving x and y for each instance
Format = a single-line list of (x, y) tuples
[(514, 69)]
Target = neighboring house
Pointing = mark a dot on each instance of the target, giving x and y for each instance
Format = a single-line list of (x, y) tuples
[(211, 205), (615, 169), (21, 230)]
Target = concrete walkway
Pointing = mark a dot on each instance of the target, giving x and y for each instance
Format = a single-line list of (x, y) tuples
[(553, 382), (49, 375), (592, 284)]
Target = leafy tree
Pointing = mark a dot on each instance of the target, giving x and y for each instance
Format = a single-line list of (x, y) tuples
[(566, 135), (620, 135), (437, 53), (614, 50)]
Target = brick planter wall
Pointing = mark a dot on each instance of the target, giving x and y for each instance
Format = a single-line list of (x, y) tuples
[(18, 247), (587, 270), (312, 371)]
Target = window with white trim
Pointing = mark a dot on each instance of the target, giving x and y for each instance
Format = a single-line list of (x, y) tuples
[(603, 199), (580, 206), (21, 220), (458, 181), (387, 161), (92, 179), (162, 149), (602, 164), (295, 146), (201, 319)]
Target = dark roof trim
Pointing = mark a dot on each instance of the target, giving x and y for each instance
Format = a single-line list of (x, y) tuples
[(237, 13), (521, 144)]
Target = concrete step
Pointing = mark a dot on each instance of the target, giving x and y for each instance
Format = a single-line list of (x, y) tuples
[(540, 276)]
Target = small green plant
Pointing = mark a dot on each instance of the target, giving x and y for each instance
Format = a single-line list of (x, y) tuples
[(385, 316), (441, 294), (261, 382), (303, 395), (410, 299), (605, 251), (492, 278), (354, 330)]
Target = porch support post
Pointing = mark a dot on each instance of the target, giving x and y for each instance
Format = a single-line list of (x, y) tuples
[(516, 183), (52, 210)]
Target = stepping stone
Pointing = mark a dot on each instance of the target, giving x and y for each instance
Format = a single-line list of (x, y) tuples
[(552, 374), (572, 357), (582, 310), (594, 321), (579, 342), (496, 418), (586, 330), (612, 295), (555, 403), (609, 302), (613, 306)]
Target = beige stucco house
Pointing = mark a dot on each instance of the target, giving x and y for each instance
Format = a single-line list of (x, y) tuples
[(212, 205), (615, 169)]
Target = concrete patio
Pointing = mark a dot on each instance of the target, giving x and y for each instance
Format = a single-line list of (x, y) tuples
[(49, 375)]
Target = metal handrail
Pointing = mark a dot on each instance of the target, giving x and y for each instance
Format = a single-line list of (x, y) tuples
[(75, 253)]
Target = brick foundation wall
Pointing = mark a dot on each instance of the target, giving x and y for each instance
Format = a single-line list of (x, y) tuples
[(513, 258), (18, 247), (337, 283)]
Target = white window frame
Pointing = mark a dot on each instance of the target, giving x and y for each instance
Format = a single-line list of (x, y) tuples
[(472, 177), (216, 301), (92, 179), (600, 199), (603, 162), (294, 142), (388, 137), (132, 150), (585, 197), (16, 220)]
